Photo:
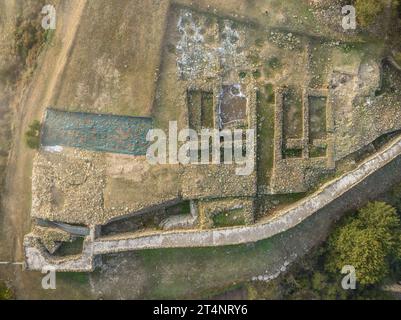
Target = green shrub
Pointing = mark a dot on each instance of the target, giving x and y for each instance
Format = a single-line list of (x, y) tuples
[(5, 292), (242, 74), (256, 74), (274, 63), (32, 136)]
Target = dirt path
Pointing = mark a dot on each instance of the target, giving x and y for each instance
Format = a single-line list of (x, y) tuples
[(72, 24), (30, 106)]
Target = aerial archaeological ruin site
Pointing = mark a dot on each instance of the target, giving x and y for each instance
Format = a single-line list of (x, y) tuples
[(190, 149)]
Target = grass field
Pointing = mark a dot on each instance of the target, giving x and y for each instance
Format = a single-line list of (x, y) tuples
[(112, 66)]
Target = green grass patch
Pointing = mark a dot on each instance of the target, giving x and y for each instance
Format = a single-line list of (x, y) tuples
[(274, 63), (397, 58), (49, 36), (201, 272), (71, 248), (259, 42), (181, 208), (229, 219), (269, 92), (292, 153), (290, 198), (317, 152), (76, 277), (265, 112)]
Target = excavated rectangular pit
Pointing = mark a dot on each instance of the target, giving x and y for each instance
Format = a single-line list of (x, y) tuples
[(200, 109), (233, 106), (317, 117), (292, 114)]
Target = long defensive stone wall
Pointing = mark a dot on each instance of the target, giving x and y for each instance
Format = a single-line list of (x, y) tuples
[(287, 219), (322, 208)]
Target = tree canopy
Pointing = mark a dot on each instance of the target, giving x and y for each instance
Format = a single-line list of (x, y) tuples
[(368, 10), (369, 241)]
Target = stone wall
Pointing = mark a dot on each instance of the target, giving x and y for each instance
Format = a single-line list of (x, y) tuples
[(351, 190)]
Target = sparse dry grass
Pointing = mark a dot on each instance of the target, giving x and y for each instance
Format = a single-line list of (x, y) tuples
[(113, 66)]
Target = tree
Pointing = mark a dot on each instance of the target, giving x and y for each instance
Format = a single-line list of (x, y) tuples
[(32, 136), (370, 241), (368, 10)]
